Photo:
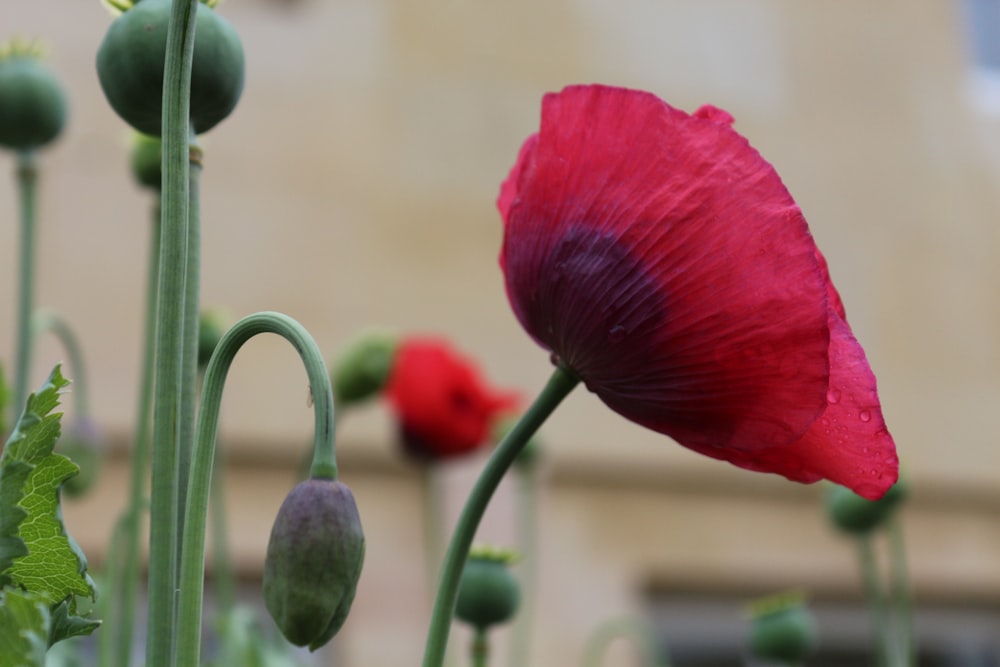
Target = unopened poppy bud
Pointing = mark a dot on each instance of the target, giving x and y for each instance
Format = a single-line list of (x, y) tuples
[(782, 629), (82, 443), (32, 103), (488, 593), (363, 368), (313, 562), (211, 327), (853, 514), (146, 160)]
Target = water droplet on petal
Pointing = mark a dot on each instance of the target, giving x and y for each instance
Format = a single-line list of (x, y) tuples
[(833, 395), (865, 416), (617, 333)]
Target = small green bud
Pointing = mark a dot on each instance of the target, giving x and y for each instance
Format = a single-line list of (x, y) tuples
[(363, 368), (82, 443), (32, 103), (313, 562), (211, 328), (782, 629), (853, 514), (488, 594), (147, 160)]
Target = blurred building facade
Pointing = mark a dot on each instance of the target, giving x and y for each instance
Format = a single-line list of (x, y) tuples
[(354, 187)]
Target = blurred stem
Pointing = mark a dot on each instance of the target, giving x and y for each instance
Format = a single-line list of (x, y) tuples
[(635, 630), (480, 651), (27, 179), (169, 388), (196, 509), (225, 582), (900, 590), (44, 321), (558, 387), (526, 511), (876, 602)]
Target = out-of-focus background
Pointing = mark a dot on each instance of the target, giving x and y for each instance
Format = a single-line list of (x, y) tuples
[(354, 186)]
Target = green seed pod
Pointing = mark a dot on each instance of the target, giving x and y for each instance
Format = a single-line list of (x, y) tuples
[(313, 562), (147, 160), (488, 593), (782, 629), (855, 515), (32, 103), (131, 59), (363, 368), (211, 328), (83, 444)]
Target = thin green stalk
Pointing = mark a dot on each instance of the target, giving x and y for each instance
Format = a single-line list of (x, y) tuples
[(900, 590), (876, 602), (225, 582), (526, 511), (480, 649), (27, 178), (636, 630), (558, 387), (110, 589), (44, 321), (170, 331), (196, 509), (140, 456)]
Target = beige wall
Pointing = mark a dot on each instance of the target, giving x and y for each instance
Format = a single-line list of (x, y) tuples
[(354, 186)]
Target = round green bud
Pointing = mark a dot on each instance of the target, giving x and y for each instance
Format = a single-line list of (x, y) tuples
[(147, 160), (313, 562), (32, 103), (131, 59), (82, 443), (782, 629), (488, 593), (211, 328), (363, 368), (853, 514)]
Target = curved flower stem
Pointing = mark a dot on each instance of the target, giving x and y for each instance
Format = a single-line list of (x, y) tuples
[(876, 602), (480, 649), (900, 587), (169, 376), (636, 630), (558, 387), (44, 321), (196, 510), (27, 178)]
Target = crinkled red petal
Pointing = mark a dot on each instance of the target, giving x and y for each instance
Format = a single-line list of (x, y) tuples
[(662, 260)]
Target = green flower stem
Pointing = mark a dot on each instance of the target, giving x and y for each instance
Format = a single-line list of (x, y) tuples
[(44, 321), (558, 387), (636, 630), (225, 582), (27, 178), (111, 585), (196, 510), (140, 453), (169, 375), (526, 512), (876, 602), (480, 651), (901, 599)]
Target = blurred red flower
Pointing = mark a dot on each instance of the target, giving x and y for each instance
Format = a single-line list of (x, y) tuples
[(661, 259), (444, 407)]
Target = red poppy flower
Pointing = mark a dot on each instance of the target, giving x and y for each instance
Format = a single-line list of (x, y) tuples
[(661, 259), (444, 407)]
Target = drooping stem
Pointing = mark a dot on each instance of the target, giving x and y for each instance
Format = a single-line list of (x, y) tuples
[(170, 331), (877, 607), (196, 511), (558, 387), (633, 629), (901, 600), (480, 649), (27, 178), (44, 321), (225, 582)]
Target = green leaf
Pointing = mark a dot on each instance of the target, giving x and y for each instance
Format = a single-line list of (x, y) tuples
[(65, 624), (24, 628), (36, 554)]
